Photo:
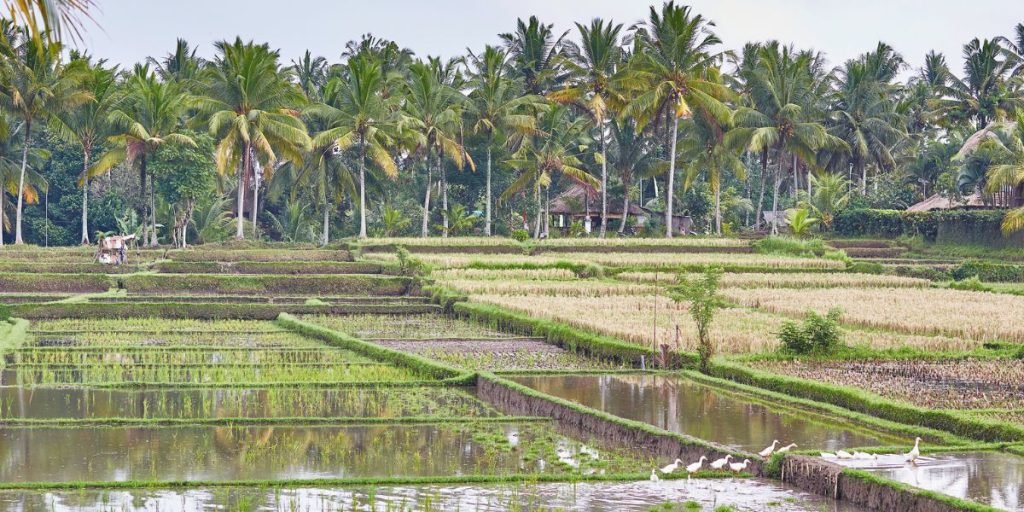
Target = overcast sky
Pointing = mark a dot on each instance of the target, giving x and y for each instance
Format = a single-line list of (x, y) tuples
[(130, 30)]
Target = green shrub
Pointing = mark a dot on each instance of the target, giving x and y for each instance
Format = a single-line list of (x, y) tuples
[(989, 272), (866, 267), (54, 283), (5, 312), (922, 272), (408, 265), (702, 294), (787, 246), (520, 235), (817, 335), (971, 284)]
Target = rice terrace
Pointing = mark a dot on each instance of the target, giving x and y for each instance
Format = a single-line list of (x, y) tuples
[(603, 256)]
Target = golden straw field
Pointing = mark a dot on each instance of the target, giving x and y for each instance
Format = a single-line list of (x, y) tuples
[(788, 280), (974, 315), (615, 259)]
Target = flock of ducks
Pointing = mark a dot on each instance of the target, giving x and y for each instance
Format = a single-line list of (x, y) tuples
[(912, 456)]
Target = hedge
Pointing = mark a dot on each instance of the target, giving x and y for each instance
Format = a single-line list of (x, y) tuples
[(267, 255), (896, 223), (569, 338), (414, 362), (268, 284), (54, 283), (874, 405), (269, 267), (205, 311), (989, 272)]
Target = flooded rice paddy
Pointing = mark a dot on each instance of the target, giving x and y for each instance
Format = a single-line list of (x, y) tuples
[(680, 405)]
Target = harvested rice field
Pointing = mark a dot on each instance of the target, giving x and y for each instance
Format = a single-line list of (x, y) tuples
[(388, 327)]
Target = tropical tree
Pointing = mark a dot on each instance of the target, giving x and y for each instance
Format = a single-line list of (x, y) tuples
[(433, 120), (543, 158), (534, 48), (497, 108), (252, 113), (1009, 171), (983, 94), (10, 172), (88, 125), (781, 85), (703, 151), (356, 115), (631, 157), (669, 76), (831, 193), (592, 65), (181, 65), (311, 74), (48, 21), (37, 84), (148, 116)]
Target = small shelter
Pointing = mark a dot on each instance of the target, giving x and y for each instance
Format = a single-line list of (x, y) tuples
[(582, 203), (1009, 198), (113, 250)]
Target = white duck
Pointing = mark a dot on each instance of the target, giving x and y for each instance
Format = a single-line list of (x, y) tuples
[(828, 455), (786, 448), (739, 466), (720, 463), (695, 467), (654, 476), (843, 454), (864, 456), (671, 467), (769, 450), (913, 454)]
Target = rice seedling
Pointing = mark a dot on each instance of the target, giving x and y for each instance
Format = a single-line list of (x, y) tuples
[(930, 311), (941, 384), (789, 280), (152, 325), (185, 356), (505, 355), (184, 340)]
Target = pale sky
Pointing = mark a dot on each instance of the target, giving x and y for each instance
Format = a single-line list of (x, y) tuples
[(131, 30)]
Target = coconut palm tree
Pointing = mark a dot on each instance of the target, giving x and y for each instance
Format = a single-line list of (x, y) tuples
[(355, 115), (669, 76), (592, 64), (781, 86), (148, 116), (10, 172), (534, 48), (497, 108), (88, 125), (631, 156), (252, 113), (703, 151), (37, 83), (545, 157), (1008, 145), (433, 120), (49, 21), (983, 93), (311, 74), (181, 65)]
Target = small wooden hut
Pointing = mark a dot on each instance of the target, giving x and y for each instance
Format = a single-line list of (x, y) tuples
[(113, 250)]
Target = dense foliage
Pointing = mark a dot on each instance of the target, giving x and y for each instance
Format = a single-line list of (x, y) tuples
[(660, 115)]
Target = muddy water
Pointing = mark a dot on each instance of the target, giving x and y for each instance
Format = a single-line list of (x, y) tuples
[(747, 495), (993, 478), (294, 452), (78, 403), (680, 405)]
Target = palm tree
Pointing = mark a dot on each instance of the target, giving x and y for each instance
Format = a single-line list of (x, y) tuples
[(433, 117), (534, 48), (831, 194), (252, 112), (148, 116), (37, 83), (703, 149), (670, 76), (631, 156), (182, 65), (557, 152), (356, 115), (864, 115), (311, 74), (983, 94), (1009, 171), (781, 86), (88, 124), (592, 64), (10, 172), (48, 21), (497, 108)]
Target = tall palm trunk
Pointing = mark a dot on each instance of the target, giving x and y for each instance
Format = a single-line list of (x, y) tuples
[(21, 186), (424, 230), (779, 173), (325, 237), (626, 179), (540, 213), (760, 197), (487, 222), (85, 196), (143, 182), (153, 236), (671, 180), (362, 187), (444, 198), (863, 178), (718, 210), (255, 199), (604, 184), (243, 168)]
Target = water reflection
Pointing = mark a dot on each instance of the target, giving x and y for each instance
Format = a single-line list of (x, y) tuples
[(745, 495), (680, 405), (994, 478), (87, 403), (290, 452)]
